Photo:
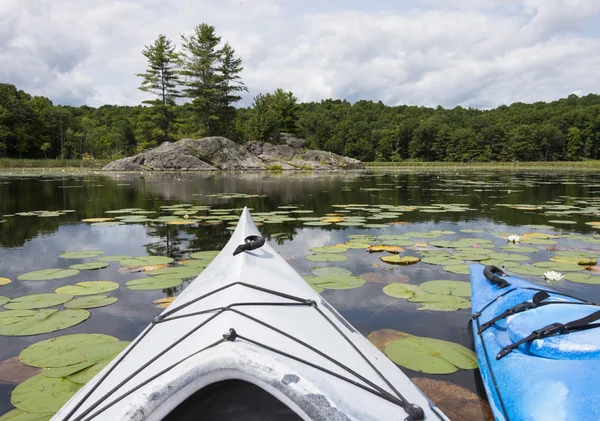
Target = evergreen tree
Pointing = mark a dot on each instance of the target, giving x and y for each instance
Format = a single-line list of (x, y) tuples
[(231, 85), (161, 79), (200, 66)]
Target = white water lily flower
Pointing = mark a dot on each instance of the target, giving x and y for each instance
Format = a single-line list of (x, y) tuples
[(185, 216), (553, 276), (513, 238)]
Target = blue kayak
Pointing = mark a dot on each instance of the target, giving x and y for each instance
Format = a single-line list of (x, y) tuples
[(538, 349)]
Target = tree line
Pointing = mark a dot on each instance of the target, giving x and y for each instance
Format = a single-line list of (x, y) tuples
[(195, 89)]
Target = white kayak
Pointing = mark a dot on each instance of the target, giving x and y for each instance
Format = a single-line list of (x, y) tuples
[(250, 320)]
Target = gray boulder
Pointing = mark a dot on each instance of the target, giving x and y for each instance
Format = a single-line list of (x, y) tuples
[(219, 153)]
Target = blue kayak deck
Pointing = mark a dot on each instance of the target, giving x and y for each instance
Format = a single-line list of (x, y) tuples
[(546, 379)]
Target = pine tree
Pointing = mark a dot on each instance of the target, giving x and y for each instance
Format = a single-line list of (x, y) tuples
[(231, 84), (162, 80), (200, 65)]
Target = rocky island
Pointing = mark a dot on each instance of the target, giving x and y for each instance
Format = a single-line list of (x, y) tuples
[(220, 153)]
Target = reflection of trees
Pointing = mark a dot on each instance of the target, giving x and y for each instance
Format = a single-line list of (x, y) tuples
[(91, 196)]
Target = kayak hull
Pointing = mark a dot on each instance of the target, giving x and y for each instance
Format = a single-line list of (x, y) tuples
[(542, 379), (249, 316)]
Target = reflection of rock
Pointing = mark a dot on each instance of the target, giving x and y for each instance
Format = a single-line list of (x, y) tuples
[(456, 402), (219, 153)]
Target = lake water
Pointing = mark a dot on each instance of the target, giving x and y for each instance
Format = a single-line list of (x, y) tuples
[(493, 204)]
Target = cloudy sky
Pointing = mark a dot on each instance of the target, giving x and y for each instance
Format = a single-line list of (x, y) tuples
[(479, 53)]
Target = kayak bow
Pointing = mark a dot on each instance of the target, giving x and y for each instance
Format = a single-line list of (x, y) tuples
[(537, 349), (250, 317)]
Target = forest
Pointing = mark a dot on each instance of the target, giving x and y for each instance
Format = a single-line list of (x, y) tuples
[(196, 87)]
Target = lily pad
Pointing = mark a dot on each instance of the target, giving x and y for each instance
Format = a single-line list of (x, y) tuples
[(313, 282), (84, 254), (97, 219), (398, 290), (88, 288), (177, 272), (146, 261), (460, 269), (400, 260), (62, 351), (90, 266), (3, 300), (440, 302), (154, 282), (326, 257), (35, 301), (114, 258), (329, 249), (509, 257), (47, 274), (462, 289), (91, 301), (528, 270), (520, 249), (207, 256), (583, 278), (337, 281), (429, 355), (4, 281), (560, 267), (43, 394), (31, 322), (329, 271), (18, 415), (389, 249), (13, 371)]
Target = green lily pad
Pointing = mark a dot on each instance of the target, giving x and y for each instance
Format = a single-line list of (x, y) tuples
[(62, 351), (31, 322), (114, 258), (329, 271), (329, 249), (444, 260), (560, 267), (397, 290), (326, 257), (207, 256), (338, 282), (351, 245), (429, 355), (460, 269), (3, 300), (316, 223), (177, 272), (88, 288), (43, 394), (91, 301), (146, 261), (153, 282), (527, 270), (47, 274), (104, 351), (84, 254), (537, 241), (35, 301), (509, 257), (520, 249), (472, 230), (562, 221), (18, 415), (440, 302), (583, 278), (90, 266), (312, 281), (462, 289), (400, 260)]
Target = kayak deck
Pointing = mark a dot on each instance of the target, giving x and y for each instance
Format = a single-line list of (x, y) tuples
[(527, 376), (251, 317)]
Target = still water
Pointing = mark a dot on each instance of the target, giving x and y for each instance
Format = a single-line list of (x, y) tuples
[(41, 218)]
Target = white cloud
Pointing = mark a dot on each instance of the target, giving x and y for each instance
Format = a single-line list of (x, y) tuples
[(472, 53)]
